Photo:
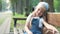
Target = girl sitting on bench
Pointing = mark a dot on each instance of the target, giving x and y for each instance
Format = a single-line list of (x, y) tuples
[(34, 23)]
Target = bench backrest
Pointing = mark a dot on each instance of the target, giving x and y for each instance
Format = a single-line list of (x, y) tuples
[(54, 18)]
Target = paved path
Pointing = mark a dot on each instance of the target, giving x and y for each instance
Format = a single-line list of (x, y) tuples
[(5, 27), (15, 31), (18, 31)]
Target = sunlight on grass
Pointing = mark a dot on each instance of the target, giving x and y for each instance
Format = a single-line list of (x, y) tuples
[(58, 28), (21, 21), (18, 22), (21, 24), (19, 15), (12, 26)]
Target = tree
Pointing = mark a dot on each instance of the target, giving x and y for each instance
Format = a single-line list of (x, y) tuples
[(27, 8), (13, 4), (20, 6), (57, 5), (0, 5), (51, 4)]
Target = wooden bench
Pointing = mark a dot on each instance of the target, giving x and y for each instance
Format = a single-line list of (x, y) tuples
[(15, 20), (53, 18), (17, 31)]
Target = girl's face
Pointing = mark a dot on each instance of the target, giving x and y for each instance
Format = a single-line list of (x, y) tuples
[(40, 11)]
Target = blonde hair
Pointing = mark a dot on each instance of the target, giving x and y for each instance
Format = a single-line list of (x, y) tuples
[(42, 4)]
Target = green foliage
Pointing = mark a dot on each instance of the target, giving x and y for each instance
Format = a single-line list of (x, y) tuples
[(4, 4), (57, 5), (0, 1), (35, 2), (0, 4), (19, 15), (13, 1), (58, 28)]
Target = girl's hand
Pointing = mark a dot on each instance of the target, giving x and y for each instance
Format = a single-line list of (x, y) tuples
[(30, 32), (52, 28)]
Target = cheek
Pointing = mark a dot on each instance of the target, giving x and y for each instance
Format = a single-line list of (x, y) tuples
[(40, 14)]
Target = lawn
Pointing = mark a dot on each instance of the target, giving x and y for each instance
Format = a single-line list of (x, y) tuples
[(18, 22), (12, 26), (19, 15), (58, 28)]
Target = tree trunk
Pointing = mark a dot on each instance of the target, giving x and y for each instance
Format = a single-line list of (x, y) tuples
[(41, 0), (21, 7), (0, 5), (27, 7), (51, 4), (18, 6)]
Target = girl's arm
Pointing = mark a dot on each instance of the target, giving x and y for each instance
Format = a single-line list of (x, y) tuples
[(27, 25), (48, 26)]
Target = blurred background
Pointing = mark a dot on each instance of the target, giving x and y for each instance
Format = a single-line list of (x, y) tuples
[(13, 14)]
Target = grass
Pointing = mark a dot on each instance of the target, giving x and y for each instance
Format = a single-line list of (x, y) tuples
[(18, 22), (19, 15), (58, 28), (21, 21), (12, 26)]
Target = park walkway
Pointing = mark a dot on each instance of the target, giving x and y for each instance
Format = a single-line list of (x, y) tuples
[(5, 26), (19, 30)]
